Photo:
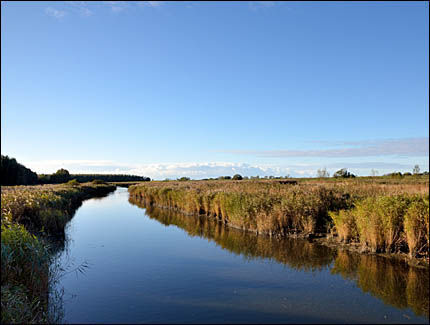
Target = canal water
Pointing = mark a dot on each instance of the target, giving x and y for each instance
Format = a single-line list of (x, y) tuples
[(127, 264)]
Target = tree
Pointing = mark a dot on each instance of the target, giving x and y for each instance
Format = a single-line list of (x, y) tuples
[(183, 179), (61, 176), (416, 170), (374, 172), (237, 177), (343, 173), (323, 172), (13, 173)]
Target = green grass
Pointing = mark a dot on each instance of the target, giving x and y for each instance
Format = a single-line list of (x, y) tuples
[(30, 215)]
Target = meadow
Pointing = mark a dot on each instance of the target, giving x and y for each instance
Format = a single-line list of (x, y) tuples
[(31, 218), (382, 214)]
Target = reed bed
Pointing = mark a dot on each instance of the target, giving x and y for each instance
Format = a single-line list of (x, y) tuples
[(383, 217), (30, 216)]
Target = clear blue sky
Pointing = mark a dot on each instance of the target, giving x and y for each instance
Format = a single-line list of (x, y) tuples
[(173, 89)]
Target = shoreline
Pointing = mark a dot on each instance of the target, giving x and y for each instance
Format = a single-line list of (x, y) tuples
[(33, 222), (323, 239)]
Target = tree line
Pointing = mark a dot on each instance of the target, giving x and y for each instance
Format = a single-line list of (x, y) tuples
[(13, 173)]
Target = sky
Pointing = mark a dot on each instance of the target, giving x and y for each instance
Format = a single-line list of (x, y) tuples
[(204, 89)]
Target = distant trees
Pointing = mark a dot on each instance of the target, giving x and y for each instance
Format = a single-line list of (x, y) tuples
[(60, 175), (416, 170), (183, 179), (374, 172), (237, 177), (343, 173), (323, 172), (394, 174), (224, 177), (13, 173)]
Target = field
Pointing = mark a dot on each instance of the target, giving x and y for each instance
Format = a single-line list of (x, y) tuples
[(30, 217), (383, 214)]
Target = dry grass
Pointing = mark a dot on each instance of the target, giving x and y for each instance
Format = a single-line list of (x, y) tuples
[(25, 259)]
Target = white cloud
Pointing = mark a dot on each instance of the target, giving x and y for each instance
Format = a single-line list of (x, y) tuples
[(55, 13), (255, 5), (81, 7), (155, 3), (408, 147), (199, 170), (159, 170), (116, 6)]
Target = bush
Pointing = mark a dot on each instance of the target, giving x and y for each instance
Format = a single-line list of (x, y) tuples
[(237, 177)]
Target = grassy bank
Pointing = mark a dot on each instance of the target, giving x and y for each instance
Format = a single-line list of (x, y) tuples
[(30, 217), (396, 214)]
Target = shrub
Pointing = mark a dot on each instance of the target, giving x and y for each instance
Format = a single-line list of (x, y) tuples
[(237, 177)]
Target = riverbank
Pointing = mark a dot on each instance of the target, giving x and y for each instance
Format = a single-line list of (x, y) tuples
[(378, 218), (31, 217)]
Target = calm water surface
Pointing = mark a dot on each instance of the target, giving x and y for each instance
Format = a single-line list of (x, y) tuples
[(154, 266)]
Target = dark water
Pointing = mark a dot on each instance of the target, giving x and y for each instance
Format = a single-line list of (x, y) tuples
[(154, 266)]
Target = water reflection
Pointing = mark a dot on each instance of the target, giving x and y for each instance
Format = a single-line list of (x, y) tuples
[(396, 284)]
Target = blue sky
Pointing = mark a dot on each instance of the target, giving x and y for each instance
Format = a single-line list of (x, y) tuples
[(206, 89)]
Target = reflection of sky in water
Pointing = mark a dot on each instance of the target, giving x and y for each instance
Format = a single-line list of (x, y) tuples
[(143, 271)]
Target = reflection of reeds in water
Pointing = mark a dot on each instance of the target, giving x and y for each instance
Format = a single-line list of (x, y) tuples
[(396, 284), (298, 254)]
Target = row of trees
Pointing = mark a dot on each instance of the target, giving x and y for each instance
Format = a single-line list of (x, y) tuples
[(344, 173), (62, 176), (13, 173)]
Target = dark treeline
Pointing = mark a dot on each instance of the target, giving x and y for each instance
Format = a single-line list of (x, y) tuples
[(62, 176), (13, 173), (109, 178)]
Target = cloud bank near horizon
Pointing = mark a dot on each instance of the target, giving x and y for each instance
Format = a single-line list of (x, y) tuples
[(406, 147), (199, 170)]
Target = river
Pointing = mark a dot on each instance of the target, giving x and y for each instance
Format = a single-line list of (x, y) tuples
[(156, 266)]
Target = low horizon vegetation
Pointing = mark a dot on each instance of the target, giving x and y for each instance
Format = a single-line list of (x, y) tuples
[(30, 217), (384, 214)]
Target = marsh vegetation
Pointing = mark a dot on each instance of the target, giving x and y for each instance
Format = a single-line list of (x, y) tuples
[(384, 215), (31, 218)]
